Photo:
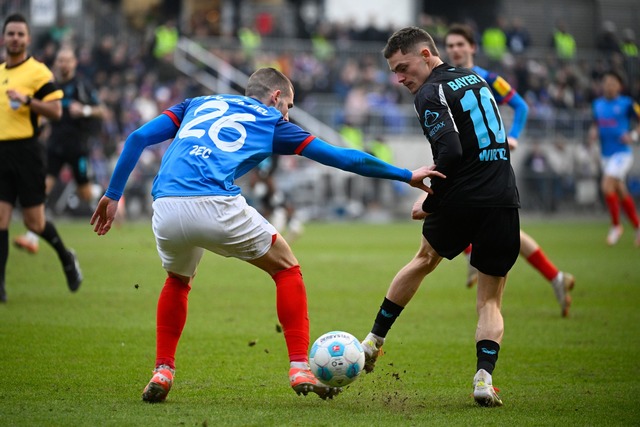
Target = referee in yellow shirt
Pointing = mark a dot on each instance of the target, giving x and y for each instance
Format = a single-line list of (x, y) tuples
[(28, 92)]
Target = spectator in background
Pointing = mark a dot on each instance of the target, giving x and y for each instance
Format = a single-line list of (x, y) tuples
[(494, 43), (538, 178), (563, 42), (250, 40), (165, 40), (518, 38), (631, 54), (608, 42), (629, 45)]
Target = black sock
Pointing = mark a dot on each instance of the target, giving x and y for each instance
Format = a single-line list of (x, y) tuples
[(50, 234), (487, 352), (4, 253), (389, 312)]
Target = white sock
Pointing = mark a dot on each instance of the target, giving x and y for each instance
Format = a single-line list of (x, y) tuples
[(556, 281), (376, 339), (31, 236), (299, 365)]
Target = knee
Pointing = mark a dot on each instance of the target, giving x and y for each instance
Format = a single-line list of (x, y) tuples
[(184, 279), (34, 225), (426, 262)]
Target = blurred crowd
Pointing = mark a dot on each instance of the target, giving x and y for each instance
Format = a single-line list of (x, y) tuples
[(336, 65)]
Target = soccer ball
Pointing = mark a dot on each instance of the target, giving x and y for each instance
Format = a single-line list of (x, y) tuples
[(336, 358)]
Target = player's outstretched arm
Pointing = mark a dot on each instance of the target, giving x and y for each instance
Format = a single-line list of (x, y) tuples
[(365, 164), (104, 215)]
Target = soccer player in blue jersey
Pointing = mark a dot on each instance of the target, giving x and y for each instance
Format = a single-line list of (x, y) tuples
[(477, 203), (198, 207), (613, 114), (460, 45)]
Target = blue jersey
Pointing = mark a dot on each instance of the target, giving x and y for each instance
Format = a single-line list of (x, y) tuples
[(613, 117), (505, 94), (219, 138)]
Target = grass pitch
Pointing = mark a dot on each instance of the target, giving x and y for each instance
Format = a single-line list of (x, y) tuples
[(83, 359)]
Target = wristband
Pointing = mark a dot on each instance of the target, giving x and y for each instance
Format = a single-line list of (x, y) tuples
[(86, 110)]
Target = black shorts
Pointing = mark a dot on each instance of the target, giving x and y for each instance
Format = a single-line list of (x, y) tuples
[(22, 172), (79, 162), (493, 232)]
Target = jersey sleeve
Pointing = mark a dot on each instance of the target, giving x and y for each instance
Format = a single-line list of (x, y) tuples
[(289, 138), (176, 112), (520, 113), (502, 90), (505, 94), (45, 88), (635, 110), (433, 112)]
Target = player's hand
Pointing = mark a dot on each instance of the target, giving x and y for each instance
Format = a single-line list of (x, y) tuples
[(75, 109), (14, 95), (513, 143), (104, 215), (418, 176), (416, 211)]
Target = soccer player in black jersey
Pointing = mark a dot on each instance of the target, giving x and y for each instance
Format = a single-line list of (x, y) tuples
[(460, 46), (477, 203)]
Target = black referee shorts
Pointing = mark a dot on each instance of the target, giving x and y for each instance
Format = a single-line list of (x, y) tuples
[(493, 232), (22, 172)]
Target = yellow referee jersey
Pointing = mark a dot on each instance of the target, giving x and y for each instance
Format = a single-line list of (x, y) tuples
[(31, 78)]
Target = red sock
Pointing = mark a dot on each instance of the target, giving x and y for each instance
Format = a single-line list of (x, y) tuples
[(630, 209), (614, 208), (467, 250), (291, 304), (170, 319), (540, 262)]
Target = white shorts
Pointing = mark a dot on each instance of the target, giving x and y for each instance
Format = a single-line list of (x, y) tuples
[(226, 225), (617, 165)]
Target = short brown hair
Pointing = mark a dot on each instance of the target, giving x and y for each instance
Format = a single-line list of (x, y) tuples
[(16, 17), (462, 30), (265, 80), (406, 39)]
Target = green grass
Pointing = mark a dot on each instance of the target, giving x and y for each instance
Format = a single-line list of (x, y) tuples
[(83, 359)]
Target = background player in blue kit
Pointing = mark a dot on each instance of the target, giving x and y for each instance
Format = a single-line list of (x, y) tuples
[(197, 206), (477, 203), (613, 114), (461, 46)]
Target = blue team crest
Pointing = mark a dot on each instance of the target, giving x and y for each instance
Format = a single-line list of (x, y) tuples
[(430, 118)]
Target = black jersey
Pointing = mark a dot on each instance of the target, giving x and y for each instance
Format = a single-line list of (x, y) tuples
[(458, 100), (74, 131)]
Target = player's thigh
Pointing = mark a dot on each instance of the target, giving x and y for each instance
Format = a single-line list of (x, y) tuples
[(80, 168), (496, 242), (55, 162), (236, 230), (448, 231), (279, 257), (617, 165), (225, 225), (177, 253), (31, 175)]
